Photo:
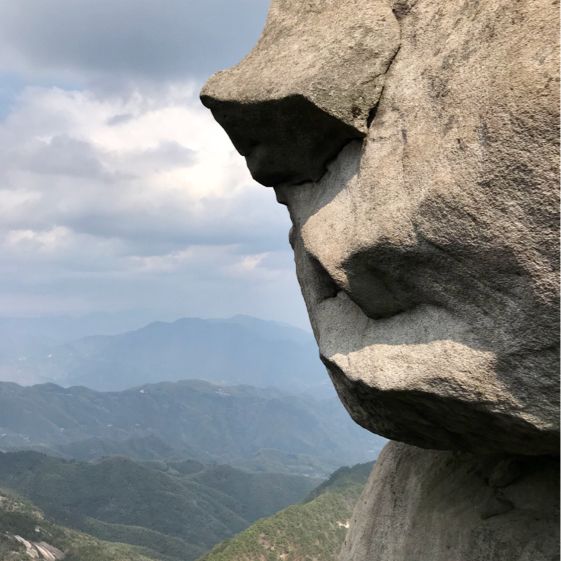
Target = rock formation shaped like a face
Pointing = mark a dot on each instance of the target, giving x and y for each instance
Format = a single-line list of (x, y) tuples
[(415, 145)]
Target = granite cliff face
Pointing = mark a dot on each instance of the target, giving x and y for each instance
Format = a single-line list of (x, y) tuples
[(415, 144)]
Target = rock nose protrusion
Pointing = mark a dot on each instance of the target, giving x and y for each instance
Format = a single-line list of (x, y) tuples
[(288, 140), (305, 91)]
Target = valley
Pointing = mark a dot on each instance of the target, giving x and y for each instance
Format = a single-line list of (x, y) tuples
[(138, 463)]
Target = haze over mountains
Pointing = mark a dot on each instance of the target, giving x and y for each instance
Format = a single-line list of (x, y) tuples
[(239, 350), (284, 418)]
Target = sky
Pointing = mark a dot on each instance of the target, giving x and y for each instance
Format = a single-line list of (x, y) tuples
[(118, 192)]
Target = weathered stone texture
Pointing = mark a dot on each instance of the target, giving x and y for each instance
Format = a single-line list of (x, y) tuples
[(415, 144), (428, 252)]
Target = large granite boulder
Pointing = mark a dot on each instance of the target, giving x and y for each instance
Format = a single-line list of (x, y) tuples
[(415, 144), (428, 251)]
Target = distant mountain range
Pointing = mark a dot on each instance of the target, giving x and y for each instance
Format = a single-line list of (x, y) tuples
[(239, 350), (311, 530), (158, 443), (178, 510), (253, 428)]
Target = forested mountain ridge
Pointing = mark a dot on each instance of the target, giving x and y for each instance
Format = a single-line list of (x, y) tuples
[(178, 510), (25, 533), (258, 429)]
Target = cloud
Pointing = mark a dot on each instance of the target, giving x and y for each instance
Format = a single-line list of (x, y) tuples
[(117, 189), (168, 173), (111, 40), (58, 155), (111, 202)]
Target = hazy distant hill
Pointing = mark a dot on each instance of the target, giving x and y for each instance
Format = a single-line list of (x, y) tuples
[(176, 509), (240, 350), (23, 339), (312, 530), (258, 429)]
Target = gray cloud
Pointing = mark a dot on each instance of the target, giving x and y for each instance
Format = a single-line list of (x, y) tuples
[(117, 190), (120, 203), (120, 119), (114, 40), (162, 227), (60, 155)]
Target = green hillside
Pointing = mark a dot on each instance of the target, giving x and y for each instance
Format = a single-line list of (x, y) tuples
[(22, 519), (179, 510), (310, 531), (255, 429)]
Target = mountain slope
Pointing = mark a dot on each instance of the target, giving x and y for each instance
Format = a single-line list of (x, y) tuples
[(310, 531), (25, 533), (240, 350), (178, 510), (250, 427)]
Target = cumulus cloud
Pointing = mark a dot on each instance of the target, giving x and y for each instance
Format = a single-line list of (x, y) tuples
[(110, 210)]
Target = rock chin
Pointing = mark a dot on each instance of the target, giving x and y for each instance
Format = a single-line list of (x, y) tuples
[(423, 504)]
